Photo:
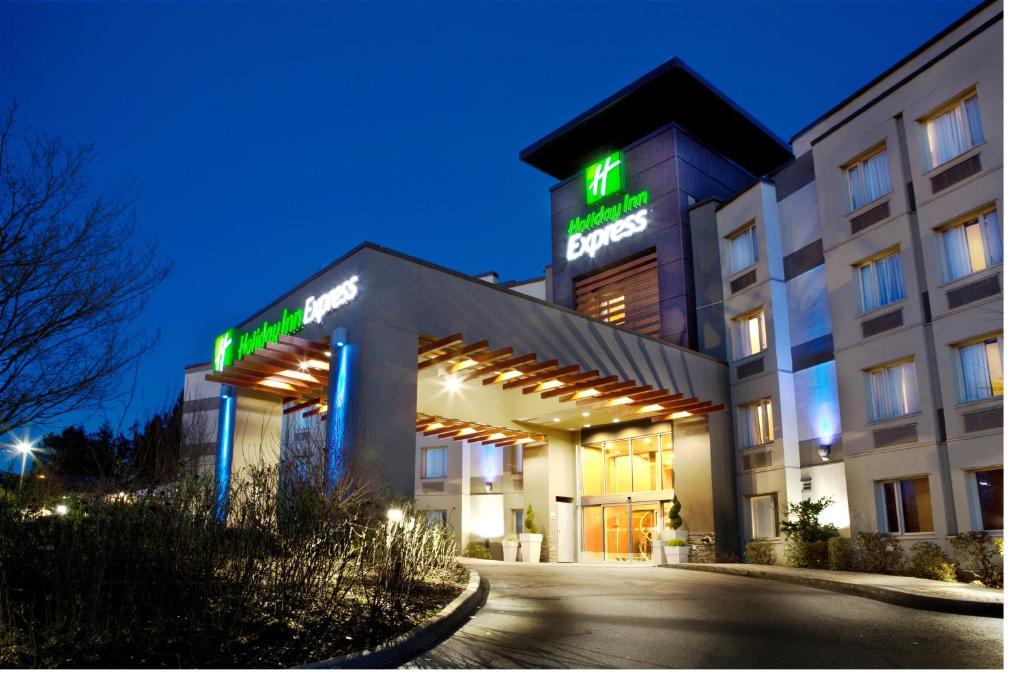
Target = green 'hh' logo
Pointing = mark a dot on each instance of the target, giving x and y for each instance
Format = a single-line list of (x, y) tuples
[(604, 178), (224, 349)]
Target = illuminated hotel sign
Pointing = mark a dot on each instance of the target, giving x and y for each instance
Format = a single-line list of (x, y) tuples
[(609, 222), (234, 345)]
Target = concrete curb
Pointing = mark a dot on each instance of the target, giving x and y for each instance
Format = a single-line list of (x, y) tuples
[(977, 608), (420, 639)]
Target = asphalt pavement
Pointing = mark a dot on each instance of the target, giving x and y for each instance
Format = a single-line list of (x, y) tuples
[(636, 617)]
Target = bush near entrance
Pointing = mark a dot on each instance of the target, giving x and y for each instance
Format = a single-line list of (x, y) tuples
[(806, 537), (759, 551)]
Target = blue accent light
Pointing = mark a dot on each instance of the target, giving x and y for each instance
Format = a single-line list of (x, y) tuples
[(337, 408), (819, 401), (225, 448)]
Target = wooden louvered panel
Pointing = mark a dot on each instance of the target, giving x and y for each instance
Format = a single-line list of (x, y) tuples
[(625, 295)]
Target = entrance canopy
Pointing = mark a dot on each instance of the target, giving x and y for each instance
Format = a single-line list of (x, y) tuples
[(537, 392)]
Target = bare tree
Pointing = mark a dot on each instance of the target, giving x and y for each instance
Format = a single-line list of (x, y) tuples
[(73, 278)]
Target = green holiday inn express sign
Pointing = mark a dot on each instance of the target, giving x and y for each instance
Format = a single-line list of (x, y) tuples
[(609, 222), (234, 344)]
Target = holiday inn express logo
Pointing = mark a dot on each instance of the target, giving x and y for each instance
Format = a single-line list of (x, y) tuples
[(604, 178), (235, 345)]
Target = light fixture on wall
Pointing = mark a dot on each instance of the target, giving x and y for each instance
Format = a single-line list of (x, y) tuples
[(824, 450), (488, 486)]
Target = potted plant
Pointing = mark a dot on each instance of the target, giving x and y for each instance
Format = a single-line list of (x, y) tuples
[(674, 521), (532, 538), (677, 551), (509, 547)]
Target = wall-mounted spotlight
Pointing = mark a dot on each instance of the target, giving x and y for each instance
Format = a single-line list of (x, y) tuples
[(488, 487), (824, 450)]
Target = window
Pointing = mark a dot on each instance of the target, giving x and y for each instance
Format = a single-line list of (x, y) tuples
[(642, 463), (436, 517), (953, 130), (907, 506), (435, 463), (756, 426), (971, 247), (743, 249), (750, 334), (517, 460), (990, 498), (880, 282), (980, 367), (764, 522), (892, 390), (868, 179), (517, 521)]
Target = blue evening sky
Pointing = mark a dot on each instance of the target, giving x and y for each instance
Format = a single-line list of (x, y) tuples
[(264, 140)]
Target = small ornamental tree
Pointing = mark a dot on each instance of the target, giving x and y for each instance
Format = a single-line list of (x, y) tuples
[(674, 520), (530, 523), (806, 537)]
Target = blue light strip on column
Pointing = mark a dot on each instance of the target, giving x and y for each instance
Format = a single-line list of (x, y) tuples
[(337, 406), (225, 448)]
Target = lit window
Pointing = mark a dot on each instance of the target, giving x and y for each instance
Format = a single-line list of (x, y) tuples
[(642, 463), (953, 130), (611, 308), (990, 498), (907, 506), (435, 463), (743, 249), (971, 247), (980, 366), (763, 518), (756, 427), (880, 282), (750, 334), (436, 517), (892, 390), (517, 521), (868, 179)]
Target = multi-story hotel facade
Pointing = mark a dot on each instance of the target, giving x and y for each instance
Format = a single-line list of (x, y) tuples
[(728, 319)]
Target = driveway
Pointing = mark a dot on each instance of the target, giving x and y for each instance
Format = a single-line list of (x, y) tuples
[(589, 617)]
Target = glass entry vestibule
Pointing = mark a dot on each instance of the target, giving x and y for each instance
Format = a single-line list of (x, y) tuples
[(626, 488)]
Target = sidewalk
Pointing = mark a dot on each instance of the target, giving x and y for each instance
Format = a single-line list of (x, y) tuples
[(939, 596)]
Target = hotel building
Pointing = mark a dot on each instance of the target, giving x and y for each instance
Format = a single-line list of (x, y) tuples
[(727, 318)]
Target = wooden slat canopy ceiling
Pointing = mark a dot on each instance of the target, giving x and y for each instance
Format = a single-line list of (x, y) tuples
[(293, 368), (473, 432), (549, 379)]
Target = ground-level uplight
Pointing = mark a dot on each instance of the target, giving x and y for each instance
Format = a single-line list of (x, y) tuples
[(61, 509), (395, 515)]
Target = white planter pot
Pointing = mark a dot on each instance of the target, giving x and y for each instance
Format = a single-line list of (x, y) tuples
[(677, 554), (658, 551), (531, 546), (508, 550)]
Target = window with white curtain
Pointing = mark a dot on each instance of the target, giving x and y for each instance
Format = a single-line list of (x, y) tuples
[(892, 390), (953, 130), (980, 366), (435, 463), (971, 246), (750, 334), (868, 179), (763, 518), (436, 517), (880, 282), (743, 249), (756, 423)]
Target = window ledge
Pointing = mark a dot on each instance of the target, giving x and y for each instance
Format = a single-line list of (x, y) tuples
[(888, 308), (891, 421), (970, 406), (744, 271), (766, 444), (971, 277), (950, 163), (753, 356), (870, 205)]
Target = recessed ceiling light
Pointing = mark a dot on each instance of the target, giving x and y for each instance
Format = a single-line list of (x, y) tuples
[(586, 426), (615, 420), (586, 414), (558, 419)]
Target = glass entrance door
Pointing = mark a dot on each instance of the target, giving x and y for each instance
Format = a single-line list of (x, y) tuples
[(619, 532)]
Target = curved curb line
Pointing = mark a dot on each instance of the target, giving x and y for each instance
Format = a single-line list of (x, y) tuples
[(420, 639), (975, 608)]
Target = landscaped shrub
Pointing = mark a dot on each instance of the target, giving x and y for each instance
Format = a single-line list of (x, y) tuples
[(840, 554), (477, 550), (929, 562), (980, 557), (676, 543), (879, 553), (530, 521), (806, 537), (759, 551)]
